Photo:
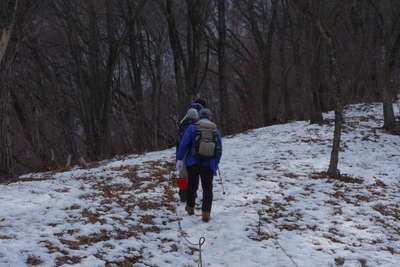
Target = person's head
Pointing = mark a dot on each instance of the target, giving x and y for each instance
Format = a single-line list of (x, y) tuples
[(201, 102), (192, 114), (205, 113), (196, 106)]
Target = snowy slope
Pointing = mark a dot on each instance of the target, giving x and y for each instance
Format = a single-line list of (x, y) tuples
[(279, 208)]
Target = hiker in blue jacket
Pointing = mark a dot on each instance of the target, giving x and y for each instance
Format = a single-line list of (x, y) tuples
[(202, 146), (192, 116)]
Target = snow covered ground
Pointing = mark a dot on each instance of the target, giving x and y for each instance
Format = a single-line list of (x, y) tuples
[(279, 208)]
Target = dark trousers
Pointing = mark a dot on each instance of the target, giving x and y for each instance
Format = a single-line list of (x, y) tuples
[(206, 174)]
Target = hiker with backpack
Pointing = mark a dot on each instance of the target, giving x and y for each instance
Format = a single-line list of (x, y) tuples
[(192, 116), (202, 146)]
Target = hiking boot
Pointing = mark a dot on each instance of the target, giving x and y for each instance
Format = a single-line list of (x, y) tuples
[(205, 216), (189, 210)]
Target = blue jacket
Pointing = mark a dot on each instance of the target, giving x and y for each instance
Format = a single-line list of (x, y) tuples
[(186, 145)]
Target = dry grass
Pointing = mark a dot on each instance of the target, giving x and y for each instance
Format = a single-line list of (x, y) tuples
[(33, 260), (4, 237), (339, 261), (342, 177)]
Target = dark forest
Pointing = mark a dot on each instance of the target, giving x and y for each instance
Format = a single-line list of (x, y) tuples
[(84, 81)]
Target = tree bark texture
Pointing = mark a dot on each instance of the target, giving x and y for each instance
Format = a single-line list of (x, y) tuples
[(223, 90)]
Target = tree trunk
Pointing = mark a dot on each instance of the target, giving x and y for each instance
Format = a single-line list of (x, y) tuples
[(6, 32), (4, 40), (329, 37), (156, 100), (315, 76), (6, 157), (388, 112), (178, 60), (333, 164), (136, 62), (285, 105), (265, 49), (223, 92)]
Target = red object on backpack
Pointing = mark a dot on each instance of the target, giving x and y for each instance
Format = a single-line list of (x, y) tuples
[(182, 183)]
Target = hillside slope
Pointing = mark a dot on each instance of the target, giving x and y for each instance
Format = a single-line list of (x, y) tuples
[(279, 208)]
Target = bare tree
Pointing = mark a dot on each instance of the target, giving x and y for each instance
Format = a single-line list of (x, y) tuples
[(261, 18), (6, 29), (329, 36), (96, 78), (190, 68), (94, 43), (156, 65), (388, 31), (222, 81)]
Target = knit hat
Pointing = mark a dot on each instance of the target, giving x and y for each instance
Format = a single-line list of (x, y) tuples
[(191, 114), (205, 113), (196, 106)]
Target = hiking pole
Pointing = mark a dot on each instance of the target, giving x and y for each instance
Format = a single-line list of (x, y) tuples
[(222, 182)]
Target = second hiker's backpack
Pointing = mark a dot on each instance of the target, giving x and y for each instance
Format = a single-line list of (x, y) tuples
[(205, 145)]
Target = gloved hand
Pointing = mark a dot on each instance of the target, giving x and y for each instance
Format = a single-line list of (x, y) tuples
[(179, 165)]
